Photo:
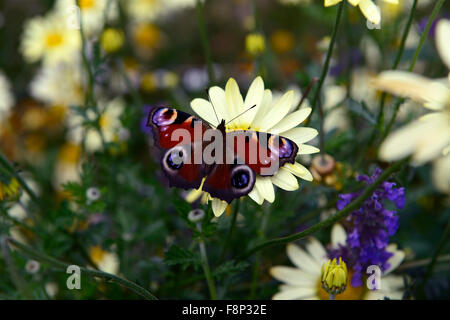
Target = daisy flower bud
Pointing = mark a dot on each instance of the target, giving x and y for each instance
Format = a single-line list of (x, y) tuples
[(334, 277), (93, 194), (255, 44), (112, 40), (196, 215), (32, 266)]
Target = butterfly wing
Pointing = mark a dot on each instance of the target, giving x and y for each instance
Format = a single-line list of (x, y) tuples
[(263, 152), (174, 133)]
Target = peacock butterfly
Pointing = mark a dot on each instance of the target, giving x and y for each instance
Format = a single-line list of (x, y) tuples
[(193, 150)]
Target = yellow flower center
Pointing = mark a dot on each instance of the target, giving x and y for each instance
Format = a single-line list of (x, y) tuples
[(146, 35), (70, 153), (86, 4), (96, 253), (103, 122), (350, 293), (54, 40)]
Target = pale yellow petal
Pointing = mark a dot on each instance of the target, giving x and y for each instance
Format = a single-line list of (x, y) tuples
[(255, 196), (218, 206), (296, 293), (303, 260), (278, 112), (441, 174), (354, 2), (307, 149), (300, 135), (299, 170), (204, 110), (235, 102), (254, 98), (292, 276), (265, 188), (370, 11), (219, 102), (285, 180), (262, 110), (316, 250), (443, 40), (328, 3), (291, 121)]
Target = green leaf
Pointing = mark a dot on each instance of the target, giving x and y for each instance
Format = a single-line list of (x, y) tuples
[(179, 256)]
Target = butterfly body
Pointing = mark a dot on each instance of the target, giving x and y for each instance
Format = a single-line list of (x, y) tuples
[(228, 164)]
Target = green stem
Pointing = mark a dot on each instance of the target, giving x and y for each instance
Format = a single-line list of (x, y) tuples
[(328, 58), (52, 262), (5, 163), (206, 269), (205, 42), (89, 98), (434, 13), (354, 205), (231, 229), (396, 62), (432, 264)]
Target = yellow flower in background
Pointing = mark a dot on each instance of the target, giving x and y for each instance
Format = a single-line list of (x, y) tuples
[(50, 39), (112, 40), (269, 115), (255, 44), (282, 41), (304, 281), (67, 168), (427, 138), (106, 261), (368, 8), (9, 190), (93, 13), (159, 80)]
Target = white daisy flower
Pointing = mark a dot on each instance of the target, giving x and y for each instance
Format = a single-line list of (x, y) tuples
[(304, 280), (151, 10), (267, 116), (50, 39), (6, 96), (106, 261), (368, 8), (427, 138), (93, 13), (59, 84), (110, 125)]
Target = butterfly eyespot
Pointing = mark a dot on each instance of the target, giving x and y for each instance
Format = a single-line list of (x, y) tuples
[(240, 179), (175, 159)]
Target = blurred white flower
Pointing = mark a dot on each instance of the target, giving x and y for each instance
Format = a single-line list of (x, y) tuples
[(32, 266), (50, 39), (59, 84), (109, 122), (93, 13), (93, 194), (106, 261), (151, 10), (6, 96)]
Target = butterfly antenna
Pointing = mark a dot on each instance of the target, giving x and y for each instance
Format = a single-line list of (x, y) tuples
[(307, 91), (209, 98), (241, 114)]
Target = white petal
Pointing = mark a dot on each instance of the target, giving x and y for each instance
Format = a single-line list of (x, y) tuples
[(218, 206), (254, 98), (442, 40), (307, 149), (297, 293), (278, 112), (338, 235), (299, 170), (300, 135), (416, 87), (370, 11), (285, 180), (204, 110), (291, 121), (265, 188), (302, 260), (396, 259), (292, 276), (441, 174), (316, 250), (354, 2)]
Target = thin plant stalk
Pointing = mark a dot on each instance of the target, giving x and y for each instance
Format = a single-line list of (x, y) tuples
[(206, 268), (205, 42), (231, 229), (354, 205)]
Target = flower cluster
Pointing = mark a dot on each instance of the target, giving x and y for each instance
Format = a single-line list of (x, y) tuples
[(370, 227)]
